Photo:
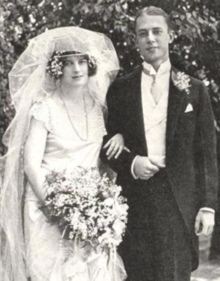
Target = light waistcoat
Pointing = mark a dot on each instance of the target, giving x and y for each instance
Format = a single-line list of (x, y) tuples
[(155, 115)]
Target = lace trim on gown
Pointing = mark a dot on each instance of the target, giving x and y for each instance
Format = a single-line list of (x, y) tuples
[(41, 112)]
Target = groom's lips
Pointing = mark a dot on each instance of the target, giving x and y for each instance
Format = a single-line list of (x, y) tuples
[(151, 48)]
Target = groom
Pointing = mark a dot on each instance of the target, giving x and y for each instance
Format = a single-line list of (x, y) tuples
[(170, 174)]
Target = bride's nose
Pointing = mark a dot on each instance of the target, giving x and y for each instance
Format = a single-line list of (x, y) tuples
[(76, 67)]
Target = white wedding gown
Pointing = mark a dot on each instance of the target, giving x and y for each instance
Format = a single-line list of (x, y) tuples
[(48, 257)]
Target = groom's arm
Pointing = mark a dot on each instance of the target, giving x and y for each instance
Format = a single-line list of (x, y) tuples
[(206, 164), (129, 163), (116, 124), (205, 151)]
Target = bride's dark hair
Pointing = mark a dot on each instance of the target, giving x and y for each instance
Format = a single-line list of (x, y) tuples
[(57, 62)]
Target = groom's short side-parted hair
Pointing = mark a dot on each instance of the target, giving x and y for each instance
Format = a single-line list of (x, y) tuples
[(154, 11)]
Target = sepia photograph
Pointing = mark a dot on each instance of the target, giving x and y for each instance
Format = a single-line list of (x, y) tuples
[(110, 140)]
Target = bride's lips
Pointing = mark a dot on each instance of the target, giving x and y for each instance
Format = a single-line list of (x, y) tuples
[(77, 77)]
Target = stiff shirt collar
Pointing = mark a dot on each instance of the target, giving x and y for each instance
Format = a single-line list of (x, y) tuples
[(164, 68)]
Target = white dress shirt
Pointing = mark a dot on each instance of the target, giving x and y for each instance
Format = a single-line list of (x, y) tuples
[(155, 115)]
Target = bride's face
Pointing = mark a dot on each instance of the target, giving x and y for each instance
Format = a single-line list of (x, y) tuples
[(75, 71)]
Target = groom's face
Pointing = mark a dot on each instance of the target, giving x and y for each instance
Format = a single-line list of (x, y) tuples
[(153, 37)]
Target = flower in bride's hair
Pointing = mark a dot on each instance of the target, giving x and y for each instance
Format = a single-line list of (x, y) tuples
[(55, 65), (92, 62)]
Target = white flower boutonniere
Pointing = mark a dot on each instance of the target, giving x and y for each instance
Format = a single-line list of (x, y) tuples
[(181, 81)]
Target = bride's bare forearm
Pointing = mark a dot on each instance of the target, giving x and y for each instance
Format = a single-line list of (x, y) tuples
[(36, 180), (33, 156)]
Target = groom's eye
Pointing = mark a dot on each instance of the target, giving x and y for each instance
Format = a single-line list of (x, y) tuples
[(157, 31), (143, 34)]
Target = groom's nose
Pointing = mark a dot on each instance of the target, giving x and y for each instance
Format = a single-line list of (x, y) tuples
[(151, 36)]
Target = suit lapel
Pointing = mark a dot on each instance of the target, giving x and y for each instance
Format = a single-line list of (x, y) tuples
[(136, 106), (175, 101)]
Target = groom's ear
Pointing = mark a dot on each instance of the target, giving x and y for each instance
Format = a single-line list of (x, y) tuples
[(136, 44), (136, 41), (171, 36)]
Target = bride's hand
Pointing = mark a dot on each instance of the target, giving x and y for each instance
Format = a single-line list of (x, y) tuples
[(45, 211), (114, 146)]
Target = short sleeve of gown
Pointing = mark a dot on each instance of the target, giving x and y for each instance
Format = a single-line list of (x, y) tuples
[(41, 112)]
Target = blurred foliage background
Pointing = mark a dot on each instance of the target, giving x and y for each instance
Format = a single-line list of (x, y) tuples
[(196, 49)]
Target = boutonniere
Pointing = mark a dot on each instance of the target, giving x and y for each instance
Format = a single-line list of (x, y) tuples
[(181, 80)]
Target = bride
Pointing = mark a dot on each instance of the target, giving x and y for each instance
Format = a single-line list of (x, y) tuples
[(58, 87)]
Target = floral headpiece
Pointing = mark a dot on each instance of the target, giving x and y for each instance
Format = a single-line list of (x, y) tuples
[(56, 63)]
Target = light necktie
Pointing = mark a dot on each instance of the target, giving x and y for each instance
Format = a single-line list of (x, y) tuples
[(155, 90)]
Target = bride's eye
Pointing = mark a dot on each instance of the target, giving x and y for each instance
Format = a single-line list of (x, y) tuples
[(81, 61), (67, 63)]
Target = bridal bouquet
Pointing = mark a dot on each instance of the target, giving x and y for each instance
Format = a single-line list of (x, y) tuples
[(86, 206)]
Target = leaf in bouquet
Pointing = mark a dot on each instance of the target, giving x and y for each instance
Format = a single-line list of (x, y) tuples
[(53, 177), (122, 200), (92, 229), (67, 232), (50, 214)]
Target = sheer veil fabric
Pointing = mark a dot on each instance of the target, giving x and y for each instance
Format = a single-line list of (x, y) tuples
[(29, 82)]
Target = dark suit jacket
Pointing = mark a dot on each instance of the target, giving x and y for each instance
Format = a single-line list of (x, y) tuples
[(190, 142)]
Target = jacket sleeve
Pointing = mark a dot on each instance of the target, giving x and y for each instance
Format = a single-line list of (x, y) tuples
[(116, 124), (206, 153)]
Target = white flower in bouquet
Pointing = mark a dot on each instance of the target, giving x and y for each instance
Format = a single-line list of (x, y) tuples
[(109, 202), (118, 227), (74, 217), (121, 210), (62, 200)]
